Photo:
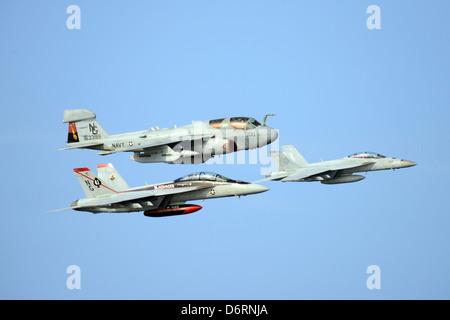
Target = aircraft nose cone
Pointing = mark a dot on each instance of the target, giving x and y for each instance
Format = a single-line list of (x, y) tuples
[(407, 163), (255, 188), (273, 135), (266, 135)]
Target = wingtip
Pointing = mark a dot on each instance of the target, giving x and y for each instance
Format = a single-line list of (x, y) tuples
[(262, 180), (57, 210), (104, 153)]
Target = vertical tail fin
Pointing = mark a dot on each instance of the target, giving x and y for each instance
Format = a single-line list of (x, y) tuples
[(82, 126), (294, 156), (282, 162), (290, 159), (107, 172), (92, 186)]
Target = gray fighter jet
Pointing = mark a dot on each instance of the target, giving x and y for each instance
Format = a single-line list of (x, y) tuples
[(193, 143), (108, 192), (293, 167)]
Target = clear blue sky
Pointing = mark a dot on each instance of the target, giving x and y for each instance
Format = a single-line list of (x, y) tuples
[(336, 87)]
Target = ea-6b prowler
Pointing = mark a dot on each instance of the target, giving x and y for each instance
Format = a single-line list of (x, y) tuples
[(108, 192), (293, 167), (193, 143)]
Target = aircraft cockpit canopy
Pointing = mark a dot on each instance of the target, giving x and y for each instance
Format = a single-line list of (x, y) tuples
[(367, 155), (204, 176), (241, 123), (252, 123)]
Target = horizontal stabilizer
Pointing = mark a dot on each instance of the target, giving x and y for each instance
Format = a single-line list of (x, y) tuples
[(78, 115)]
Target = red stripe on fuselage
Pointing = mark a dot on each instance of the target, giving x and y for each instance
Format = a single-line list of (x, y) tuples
[(175, 187)]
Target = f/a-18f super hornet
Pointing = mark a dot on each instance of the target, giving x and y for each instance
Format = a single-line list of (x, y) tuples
[(193, 143), (108, 192), (293, 167)]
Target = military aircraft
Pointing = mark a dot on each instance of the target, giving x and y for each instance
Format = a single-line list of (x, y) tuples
[(193, 143), (293, 167), (108, 192)]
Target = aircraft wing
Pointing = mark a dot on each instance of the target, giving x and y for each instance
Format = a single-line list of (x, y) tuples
[(136, 195), (82, 145), (130, 196), (274, 176), (149, 145), (318, 169)]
